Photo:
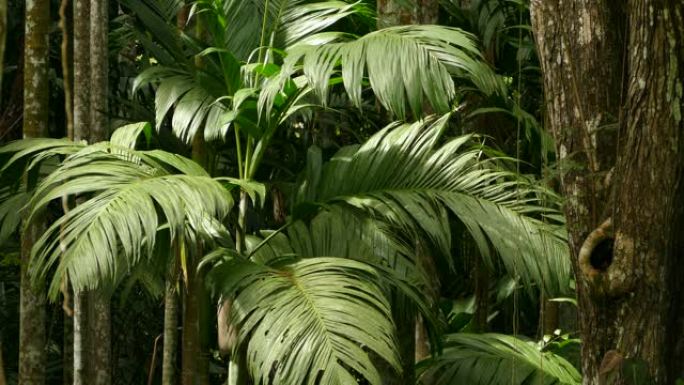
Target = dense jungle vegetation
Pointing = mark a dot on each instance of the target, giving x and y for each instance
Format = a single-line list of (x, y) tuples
[(341, 192)]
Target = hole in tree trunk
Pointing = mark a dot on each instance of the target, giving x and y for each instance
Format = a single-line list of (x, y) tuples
[(602, 255)]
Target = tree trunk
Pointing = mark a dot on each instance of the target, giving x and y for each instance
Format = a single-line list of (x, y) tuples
[(170, 333), (81, 129), (191, 337), (80, 342), (81, 71), (32, 339), (68, 348), (613, 77), (99, 321), (99, 70), (402, 12), (99, 338), (32, 336)]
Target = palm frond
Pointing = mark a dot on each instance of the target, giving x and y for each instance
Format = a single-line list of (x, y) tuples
[(10, 212), (195, 107), (405, 66), (127, 198), (313, 321), (404, 175), (303, 20), (252, 25), (336, 232), (496, 359)]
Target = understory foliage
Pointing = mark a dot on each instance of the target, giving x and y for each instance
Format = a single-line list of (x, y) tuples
[(267, 171)]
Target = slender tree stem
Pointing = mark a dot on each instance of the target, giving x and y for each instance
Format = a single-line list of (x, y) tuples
[(170, 326), (80, 326), (32, 336), (238, 149)]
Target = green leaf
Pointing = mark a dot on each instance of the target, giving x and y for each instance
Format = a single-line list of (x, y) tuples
[(404, 176), (126, 199), (310, 322), (406, 66), (496, 359)]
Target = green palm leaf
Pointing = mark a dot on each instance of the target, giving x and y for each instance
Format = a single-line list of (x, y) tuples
[(249, 24), (338, 232), (309, 322), (404, 175), (127, 198), (406, 65), (484, 359)]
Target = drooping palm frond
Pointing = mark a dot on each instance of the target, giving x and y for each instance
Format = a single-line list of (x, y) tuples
[(185, 94), (126, 197), (405, 66), (24, 163), (313, 321), (337, 232), (495, 359), (404, 175)]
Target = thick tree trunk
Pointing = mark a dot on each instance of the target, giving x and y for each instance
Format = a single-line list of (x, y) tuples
[(32, 339), (613, 78)]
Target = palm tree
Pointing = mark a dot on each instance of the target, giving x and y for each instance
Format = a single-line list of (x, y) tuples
[(407, 181)]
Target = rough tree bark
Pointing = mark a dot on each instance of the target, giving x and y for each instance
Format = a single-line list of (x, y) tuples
[(394, 12), (613, 78), (99, 310), (32, 339)]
